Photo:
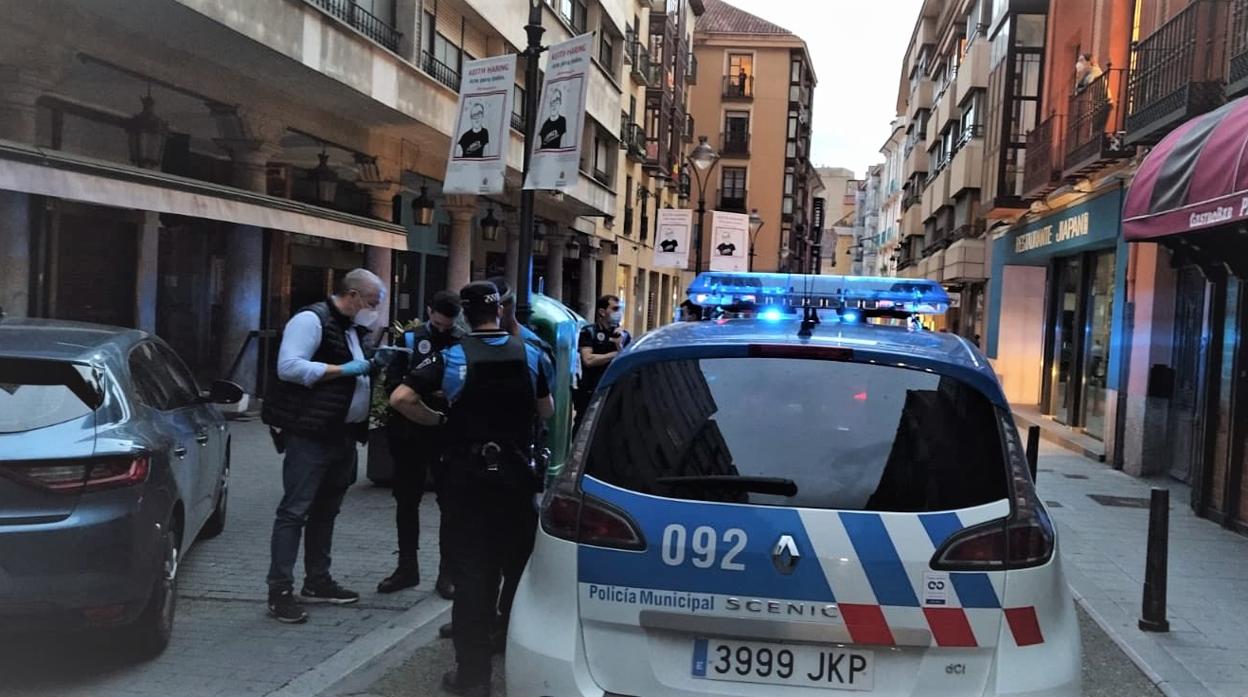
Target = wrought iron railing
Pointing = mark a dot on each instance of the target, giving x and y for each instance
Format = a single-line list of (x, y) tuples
[(1040, 169), (633, 138), (517, 121), (732, 200), (734, 143), (362, 20), (739, 86), (440, 71), (1177, 71), (639, 56), (969, 133), (1094, 122), (688, 128), (691, 69), (1237, 39)]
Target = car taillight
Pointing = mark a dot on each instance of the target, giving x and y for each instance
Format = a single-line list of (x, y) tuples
[(998, 545), (570, 515), (77, 476)]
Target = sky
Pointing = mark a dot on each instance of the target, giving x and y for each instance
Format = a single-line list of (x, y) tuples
[(857, 47)]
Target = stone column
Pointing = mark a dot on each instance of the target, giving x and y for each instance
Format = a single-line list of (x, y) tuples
[(379, 262), (251, 138), (146, 279), (28, 69), (512, 269), (462, 209), (589, 281), (15, 222), (555, 252)]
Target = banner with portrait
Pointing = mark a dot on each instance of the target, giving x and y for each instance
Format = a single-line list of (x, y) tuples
[(556, 145), (730, 241), (479, 143), (671, 243)]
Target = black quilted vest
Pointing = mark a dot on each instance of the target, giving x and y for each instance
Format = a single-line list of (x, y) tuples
[(318, 412)]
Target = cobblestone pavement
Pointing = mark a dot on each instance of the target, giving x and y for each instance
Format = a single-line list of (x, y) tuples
[(224, 643)]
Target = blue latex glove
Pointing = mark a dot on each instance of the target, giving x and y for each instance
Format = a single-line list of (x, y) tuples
[(355, 369)]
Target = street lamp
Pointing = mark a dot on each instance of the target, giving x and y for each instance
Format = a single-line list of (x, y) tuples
[(532, 78), (756, 224), (703, 159), (489, 226), (148, 134), (422, 207), (325, 178)]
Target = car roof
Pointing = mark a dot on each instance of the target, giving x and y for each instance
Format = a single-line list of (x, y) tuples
[(65, 340), (940, 352)]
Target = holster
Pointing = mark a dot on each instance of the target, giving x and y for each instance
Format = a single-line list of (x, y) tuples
[(491, 466)]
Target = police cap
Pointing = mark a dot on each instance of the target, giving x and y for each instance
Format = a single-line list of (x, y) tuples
[(505, 293), (479, 295)]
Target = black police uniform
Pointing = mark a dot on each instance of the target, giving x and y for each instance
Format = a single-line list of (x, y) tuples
[(488, 484), (597, 338), (416, 451)]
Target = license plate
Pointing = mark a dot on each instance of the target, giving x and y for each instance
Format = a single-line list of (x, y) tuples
[(802, 665)]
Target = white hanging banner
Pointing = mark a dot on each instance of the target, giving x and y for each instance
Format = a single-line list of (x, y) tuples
[(672, 243), (556, 146), (478, 161), (730, 241)]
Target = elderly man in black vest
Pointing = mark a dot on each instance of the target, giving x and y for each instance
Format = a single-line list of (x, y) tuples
[(319, 412)]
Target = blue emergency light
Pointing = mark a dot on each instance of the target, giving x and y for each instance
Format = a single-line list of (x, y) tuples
[(851, 296)]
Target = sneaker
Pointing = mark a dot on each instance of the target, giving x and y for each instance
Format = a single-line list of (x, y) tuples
[(328, 592), (284, 608), (444, 587), (406, 576), (452, 683)]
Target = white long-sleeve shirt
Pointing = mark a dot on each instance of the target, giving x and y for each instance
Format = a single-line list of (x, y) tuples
[(300, 341)]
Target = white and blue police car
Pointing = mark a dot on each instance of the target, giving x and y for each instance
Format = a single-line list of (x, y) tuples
[(799, 502)]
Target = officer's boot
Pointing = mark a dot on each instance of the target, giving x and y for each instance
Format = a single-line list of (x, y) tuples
[(406, 576), (444, 586)]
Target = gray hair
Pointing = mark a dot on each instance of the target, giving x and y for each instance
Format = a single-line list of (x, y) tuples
[(361, 280)]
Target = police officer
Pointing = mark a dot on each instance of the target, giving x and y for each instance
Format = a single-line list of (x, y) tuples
[(416, 449), (598, 345), (496, 386)]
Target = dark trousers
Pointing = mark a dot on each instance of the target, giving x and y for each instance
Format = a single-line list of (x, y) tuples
[(413, 457), (315, 476), (491, 530)]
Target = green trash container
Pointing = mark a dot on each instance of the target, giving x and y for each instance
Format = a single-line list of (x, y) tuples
[(558, 326)]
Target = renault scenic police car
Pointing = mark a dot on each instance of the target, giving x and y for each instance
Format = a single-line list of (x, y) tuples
[(800, 502)]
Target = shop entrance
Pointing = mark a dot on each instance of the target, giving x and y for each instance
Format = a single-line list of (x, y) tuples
[(1079, 319), (1190, 335)]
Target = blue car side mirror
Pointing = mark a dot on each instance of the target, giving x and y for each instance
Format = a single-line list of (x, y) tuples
[(224, 392)]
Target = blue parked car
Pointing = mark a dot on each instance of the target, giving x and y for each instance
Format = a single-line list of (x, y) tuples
[(112, 461)]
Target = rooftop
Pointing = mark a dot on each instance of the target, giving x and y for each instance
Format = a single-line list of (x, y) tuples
[(59, 339), (722, 18)]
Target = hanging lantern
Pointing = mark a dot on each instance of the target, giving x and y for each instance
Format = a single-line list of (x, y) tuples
[(422, 207), (573, 249), (539, 246), (325, 178), (148, 134), (489, 226)]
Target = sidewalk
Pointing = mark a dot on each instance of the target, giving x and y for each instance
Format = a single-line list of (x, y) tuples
[(1104, 548)]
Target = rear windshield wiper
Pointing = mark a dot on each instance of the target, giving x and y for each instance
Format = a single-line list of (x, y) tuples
[(776, 486)]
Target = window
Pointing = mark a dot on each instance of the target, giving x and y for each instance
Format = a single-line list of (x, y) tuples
[(736, 130), (740, 64), (602, 158), (38, 393), (733, 182), (795, 71), (906, 440), (579, 15), (517, 107), (445, 52), (606, 50)]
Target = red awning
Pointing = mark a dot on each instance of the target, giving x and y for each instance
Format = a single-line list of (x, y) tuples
[(1195, 178)]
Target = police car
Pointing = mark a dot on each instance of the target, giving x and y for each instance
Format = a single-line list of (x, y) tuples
[(801, 502)]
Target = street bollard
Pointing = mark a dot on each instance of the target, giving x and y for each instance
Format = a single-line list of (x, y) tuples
[(1154, 610), (1033, 450)]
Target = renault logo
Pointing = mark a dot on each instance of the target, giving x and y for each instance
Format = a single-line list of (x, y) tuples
[(785, 555)]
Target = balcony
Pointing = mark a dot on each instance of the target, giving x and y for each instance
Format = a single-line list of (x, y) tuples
[(973, 73), (734, 144), (1041, 170), (517, 121), (639, 61), (633, 139), (965, 257), (738, 87), (916, 157), (732, 200), (1178, 72), (967, 169), (691, 69), (1094, 125), (1237, 79), (689, 128), (362, 20), (920, 97), (440, 71)]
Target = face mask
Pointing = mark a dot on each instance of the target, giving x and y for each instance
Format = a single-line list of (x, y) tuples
[(367, 318), (616, 317)]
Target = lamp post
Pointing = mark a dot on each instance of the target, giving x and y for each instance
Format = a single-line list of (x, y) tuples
[(703, 159), (532, 78), (756, 224)]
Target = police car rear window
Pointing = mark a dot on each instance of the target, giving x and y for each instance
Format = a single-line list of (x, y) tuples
[(850, 436)]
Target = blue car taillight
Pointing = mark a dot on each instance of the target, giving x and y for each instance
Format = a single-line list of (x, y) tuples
[(81, 475)]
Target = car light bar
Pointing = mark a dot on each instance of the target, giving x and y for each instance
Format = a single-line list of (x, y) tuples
[(868, 293)]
